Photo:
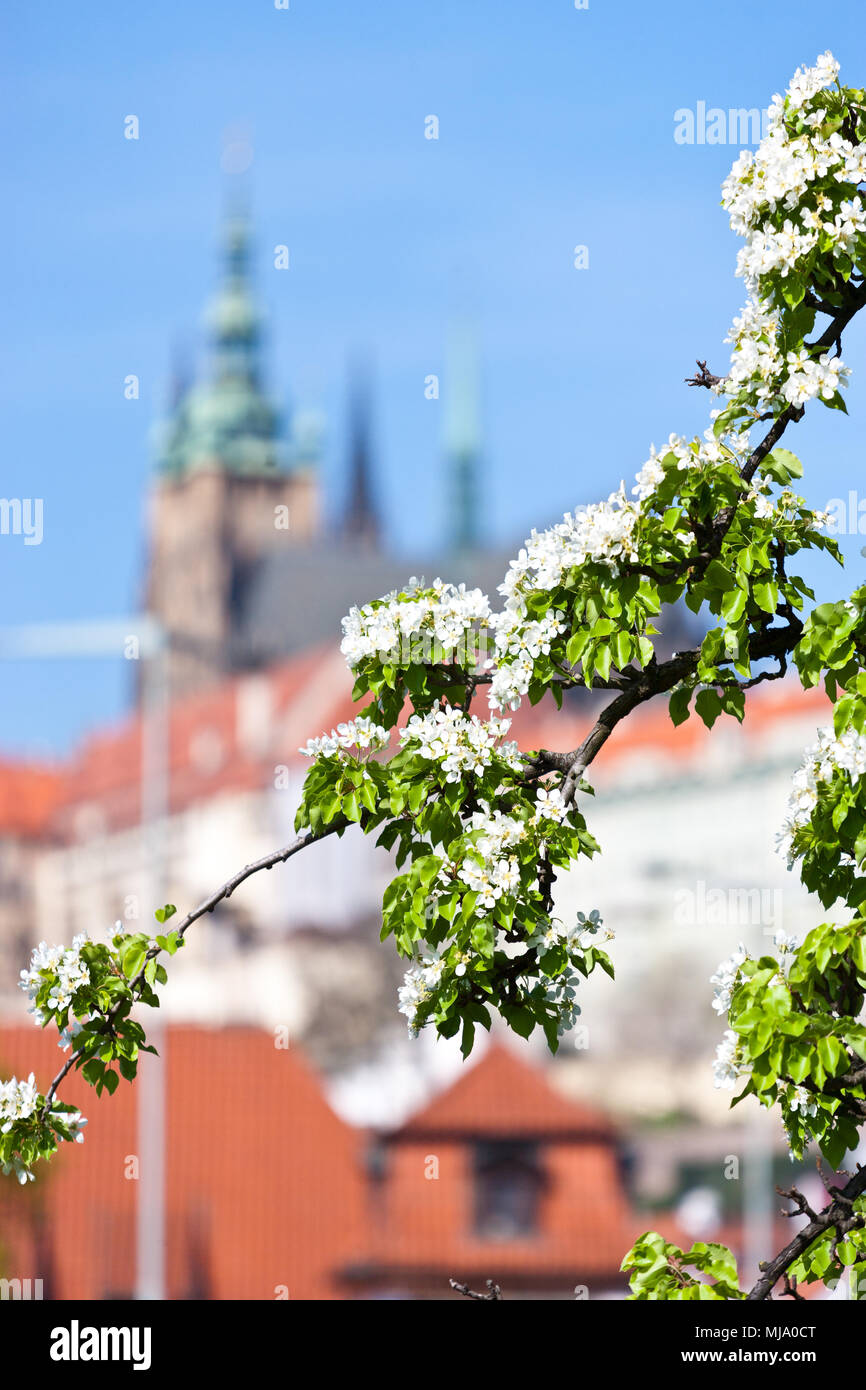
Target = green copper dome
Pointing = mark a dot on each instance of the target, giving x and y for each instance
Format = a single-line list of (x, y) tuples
[(226, 422)]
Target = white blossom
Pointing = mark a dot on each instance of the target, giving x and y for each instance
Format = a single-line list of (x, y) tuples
[(549, 805), (774, 203), (460, 743), (603, 533), (361, 733), (847, 753), (807, 82), (18, 1101), (725, 979), (70, 971), (419, 982), (729, 1064), (784, 943), (490, 880), (799, 1099), (561, 992), (445, 615)]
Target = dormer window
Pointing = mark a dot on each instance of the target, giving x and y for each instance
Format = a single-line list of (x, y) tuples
[(508, 1183)]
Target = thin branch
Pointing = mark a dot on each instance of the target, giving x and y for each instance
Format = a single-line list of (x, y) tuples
[(268, 861), (790, 1290), (703, 377), (802, 1208), (829, 338), (493, 1295), (655, 680), (836, 1215), (207, 905)]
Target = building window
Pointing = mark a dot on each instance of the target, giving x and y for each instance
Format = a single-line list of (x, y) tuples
[(508, 1187)]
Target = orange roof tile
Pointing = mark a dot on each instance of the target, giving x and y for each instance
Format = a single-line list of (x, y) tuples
[(503, 1094), (309, 693), (264, 1182), (649, 727), (426, 1228), (29, 797)]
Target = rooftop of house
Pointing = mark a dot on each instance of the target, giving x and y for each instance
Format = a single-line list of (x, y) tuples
[(501, 1094), (267, 1187), (30, 795), (499, 1175), (229, 738), (265, 1183)]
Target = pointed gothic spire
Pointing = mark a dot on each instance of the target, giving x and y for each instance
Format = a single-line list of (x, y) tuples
[(234, 321), (227, 422), (361, 521), (463, 437)]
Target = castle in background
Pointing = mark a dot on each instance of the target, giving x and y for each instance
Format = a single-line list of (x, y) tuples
[(252, 612), (244, 569)]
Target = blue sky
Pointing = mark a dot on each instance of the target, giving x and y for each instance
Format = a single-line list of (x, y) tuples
[(556, 129)]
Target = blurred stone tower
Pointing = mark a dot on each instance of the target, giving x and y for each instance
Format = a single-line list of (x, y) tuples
[(463, 441), (228, 493)]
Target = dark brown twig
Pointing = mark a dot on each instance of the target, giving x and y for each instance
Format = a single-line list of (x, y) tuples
[(493, 1295)]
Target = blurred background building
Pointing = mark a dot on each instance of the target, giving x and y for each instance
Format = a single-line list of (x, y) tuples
[(310, 1168), (248, 562)]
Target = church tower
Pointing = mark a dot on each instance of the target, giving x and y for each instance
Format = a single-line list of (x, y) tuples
[(228, 492), (361, 524), (463, 441)]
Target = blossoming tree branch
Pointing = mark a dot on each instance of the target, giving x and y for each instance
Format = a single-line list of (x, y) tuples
[(479, 831)]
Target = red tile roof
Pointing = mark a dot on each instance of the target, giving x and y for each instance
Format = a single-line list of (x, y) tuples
[(29, 797), (267, 1188), (306, 695), (264, 1182), (650, 730), (425, 1230), (503, 1094)]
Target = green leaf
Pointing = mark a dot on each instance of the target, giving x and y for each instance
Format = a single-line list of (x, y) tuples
[(602, 660), (576, 644), (766, 596), (719, 577), (708, 706), (833, 1055), (734, 702), (417, 793), (833, 1147), (133, 959), (733, 605), (518, 1017), (468, 1037), (782, 466), (678, 705), (621, 647)]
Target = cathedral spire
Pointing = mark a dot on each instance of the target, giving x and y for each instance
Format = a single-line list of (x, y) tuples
[(361, 520), (226, 422), (463, 437), (234, 321)]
